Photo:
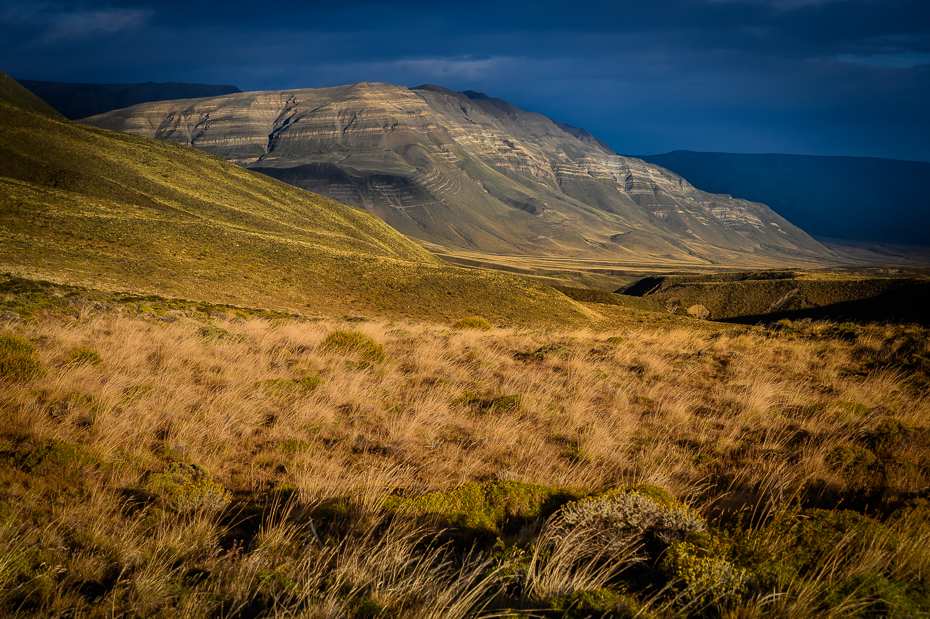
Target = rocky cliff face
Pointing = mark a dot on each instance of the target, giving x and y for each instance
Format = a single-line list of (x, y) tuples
[(465, 170)]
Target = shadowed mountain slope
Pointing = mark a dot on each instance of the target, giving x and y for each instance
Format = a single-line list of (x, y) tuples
[(80, 100), (85, 206), (469, 172), (852, 198)]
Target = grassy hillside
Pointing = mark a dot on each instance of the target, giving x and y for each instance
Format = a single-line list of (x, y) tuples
[(89, 206), (178, 460)]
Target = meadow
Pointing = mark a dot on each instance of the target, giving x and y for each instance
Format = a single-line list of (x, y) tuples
[(179, 459)]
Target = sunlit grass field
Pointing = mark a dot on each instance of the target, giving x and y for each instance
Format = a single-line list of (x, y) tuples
[(185, 460)]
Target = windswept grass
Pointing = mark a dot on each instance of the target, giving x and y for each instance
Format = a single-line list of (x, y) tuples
[(338, 468)]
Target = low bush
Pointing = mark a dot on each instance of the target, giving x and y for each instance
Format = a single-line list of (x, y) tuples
[(188, 487), (472, 322), (19, 360), (354, 342), (631, 512), (599, 604)]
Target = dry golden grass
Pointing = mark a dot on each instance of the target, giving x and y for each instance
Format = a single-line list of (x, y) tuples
[(737, 420)]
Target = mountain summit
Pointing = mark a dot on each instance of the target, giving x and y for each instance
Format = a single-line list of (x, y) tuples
[(468, 171)]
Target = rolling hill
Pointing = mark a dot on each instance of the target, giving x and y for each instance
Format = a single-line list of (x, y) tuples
[(85, 206), (470, 173), (850, 198)]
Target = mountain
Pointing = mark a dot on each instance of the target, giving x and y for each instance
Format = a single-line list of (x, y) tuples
[(852, 198), (90, 207), (465, 171), (75, 101)]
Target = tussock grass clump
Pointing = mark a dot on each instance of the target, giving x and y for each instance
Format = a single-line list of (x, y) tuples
[(472, 322), (19, 360), (83, 355), (355, 342)]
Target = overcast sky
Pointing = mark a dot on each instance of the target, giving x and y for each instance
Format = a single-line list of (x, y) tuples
[(822, 77)]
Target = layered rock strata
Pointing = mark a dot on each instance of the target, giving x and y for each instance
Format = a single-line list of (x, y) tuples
[(463, 170)]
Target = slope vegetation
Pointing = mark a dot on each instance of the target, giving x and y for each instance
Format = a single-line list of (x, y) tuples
[(468, 172), (87, 206)]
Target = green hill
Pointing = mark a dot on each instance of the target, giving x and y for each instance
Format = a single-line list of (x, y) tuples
[(86, 206)]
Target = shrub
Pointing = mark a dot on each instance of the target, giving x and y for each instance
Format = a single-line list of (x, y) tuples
[(622, 513), (472, 322), (188, 487), (18, 359), (853, 457), (494, 404), (83, 356), (354, 342), (212, 333), (547, 350), (598, 604), (486, 508), (53, 457), (704, 578)]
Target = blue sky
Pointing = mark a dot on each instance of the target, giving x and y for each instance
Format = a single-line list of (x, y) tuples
[(822, 77)]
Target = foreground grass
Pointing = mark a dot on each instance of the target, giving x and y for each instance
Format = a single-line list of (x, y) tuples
[(179, 460)]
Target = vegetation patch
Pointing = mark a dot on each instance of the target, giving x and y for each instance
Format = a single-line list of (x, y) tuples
[(188, 487), (19, 361), (83, 355), (599, 604), (486, 509), (355, 343), (634, 511), (472, 322)]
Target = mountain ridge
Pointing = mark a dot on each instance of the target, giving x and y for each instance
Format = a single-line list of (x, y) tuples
[(467, 171), (79, 100)]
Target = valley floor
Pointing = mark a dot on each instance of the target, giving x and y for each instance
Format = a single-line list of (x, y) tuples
[(177, 459)]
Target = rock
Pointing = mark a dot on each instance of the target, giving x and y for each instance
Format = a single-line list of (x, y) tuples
[(698, 311)]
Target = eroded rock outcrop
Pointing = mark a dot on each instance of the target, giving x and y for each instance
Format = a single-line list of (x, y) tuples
[(465, 170)]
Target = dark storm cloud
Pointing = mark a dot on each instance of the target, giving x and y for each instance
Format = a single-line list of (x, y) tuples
[(802, 76)]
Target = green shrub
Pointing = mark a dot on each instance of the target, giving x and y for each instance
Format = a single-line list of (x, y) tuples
[(19, 360), (83, 356), (188, 487), (598, 604), (212, 333), (354, 342), (880, 597), (486, 507), (847, 458), (472, 322), (54, 457), (704, 578)]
